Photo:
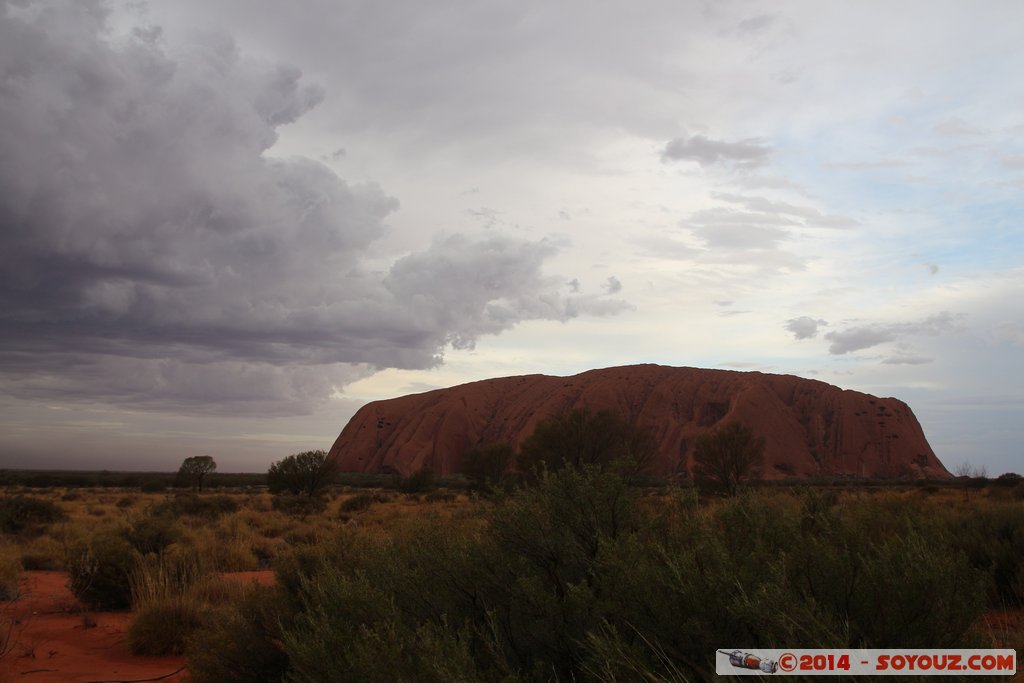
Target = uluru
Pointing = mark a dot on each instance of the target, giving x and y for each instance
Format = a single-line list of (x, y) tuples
[(811, 428)]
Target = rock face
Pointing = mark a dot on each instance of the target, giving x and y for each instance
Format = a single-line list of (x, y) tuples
[(811, 428)]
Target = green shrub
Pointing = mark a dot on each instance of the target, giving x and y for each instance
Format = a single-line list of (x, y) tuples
[(241, 642), (303, 473), (362, 501), (992, 537), (152, 533), (20, 514), (299, 505), (440, 497), (166, 607), (420, 481), (10, 572), (99, 570), (153, 486), (580, 437), (208, 507), (352, 630), (487, 466)]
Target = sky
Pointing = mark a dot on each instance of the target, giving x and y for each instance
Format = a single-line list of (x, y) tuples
[(225, 225)]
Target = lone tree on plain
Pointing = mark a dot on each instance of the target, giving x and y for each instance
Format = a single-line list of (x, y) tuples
[(194, 469), (726, 456), (303, 473)]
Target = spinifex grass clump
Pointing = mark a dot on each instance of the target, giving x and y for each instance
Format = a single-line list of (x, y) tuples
[(99, 568), (166, 599)]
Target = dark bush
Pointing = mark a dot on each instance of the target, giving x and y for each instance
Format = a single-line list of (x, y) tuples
[(242, 641), (299, 505), (581, 437), (152, 533), (208, 507), (725, 457), (420, 481), (303, 473), (159, 630), (99, 570), (992, 537), (440, 497), (26, 514), (153, 486), (487, 466), (362, 501)]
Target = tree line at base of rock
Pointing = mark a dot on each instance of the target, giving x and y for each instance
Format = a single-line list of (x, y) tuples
[(723, 458)]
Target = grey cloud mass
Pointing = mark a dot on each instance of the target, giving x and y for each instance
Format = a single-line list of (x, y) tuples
[(156, 255), (861, 337), (805, 327), (708, 152)]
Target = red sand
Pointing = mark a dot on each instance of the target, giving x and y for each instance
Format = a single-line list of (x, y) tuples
[(51, 641)]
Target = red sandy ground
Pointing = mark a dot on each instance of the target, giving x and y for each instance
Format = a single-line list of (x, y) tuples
[(51, 642)]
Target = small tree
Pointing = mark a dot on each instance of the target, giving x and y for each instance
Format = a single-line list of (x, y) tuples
[(971, 477), (305, 473), (726, 456), (422, 480), (580, 437), (485, 466), (194, 469)]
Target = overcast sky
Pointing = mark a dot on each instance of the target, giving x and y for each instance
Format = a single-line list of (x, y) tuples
[(227, 224)]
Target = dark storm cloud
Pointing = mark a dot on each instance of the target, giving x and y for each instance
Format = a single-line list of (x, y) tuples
[(861, 337), (155, 255), (708, 152)]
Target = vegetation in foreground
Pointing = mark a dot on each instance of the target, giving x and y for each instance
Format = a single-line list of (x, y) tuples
[(580, 576)]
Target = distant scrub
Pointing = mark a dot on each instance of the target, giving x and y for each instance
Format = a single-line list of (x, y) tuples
[(299, 505), (362, 501), (208, 507)]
